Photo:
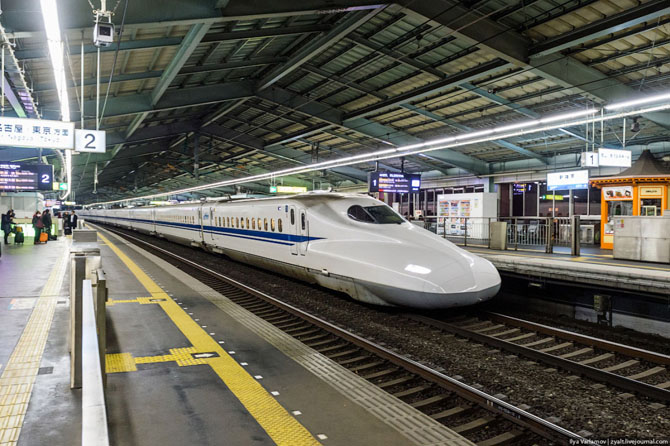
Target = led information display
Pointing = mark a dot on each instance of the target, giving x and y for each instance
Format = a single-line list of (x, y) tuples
[(25, 177), (576, 179), (394, 182)]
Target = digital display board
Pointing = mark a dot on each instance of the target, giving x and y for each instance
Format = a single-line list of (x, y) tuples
[(576, 179), (25, 177), (394, 182)]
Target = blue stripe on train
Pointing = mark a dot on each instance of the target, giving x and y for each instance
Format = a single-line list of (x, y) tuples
[(260, 236)]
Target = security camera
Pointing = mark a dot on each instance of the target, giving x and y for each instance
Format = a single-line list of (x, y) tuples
[(103, 34)]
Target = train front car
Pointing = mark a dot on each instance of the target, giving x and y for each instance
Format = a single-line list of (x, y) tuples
[(393, 262)]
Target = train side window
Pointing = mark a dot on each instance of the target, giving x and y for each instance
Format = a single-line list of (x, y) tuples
[(265, 223), (292, 217), (248, 223), (237, 222), (279, 225), (228, 221), (242, 222), (272, 224), (259, 223), (253, 223), (303, 223)]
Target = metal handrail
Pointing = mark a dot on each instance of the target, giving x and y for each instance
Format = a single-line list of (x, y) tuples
[(94, 414)]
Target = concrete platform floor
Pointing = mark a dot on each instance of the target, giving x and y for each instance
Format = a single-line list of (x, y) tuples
[(259, 386)]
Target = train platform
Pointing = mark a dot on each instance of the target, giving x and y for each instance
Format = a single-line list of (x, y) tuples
[(593, 267), (185, 365)]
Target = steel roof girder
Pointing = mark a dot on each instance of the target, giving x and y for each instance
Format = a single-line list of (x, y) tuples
[(185, 97), (301, 104), (189, 44), (570, 73), (350, 22), (645, 12), (469, 26)]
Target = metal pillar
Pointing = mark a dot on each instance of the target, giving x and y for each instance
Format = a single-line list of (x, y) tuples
[(575, 244)]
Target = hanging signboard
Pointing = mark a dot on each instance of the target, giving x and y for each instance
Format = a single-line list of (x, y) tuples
[(618, 193), (36, 133), (576, 179), (394, 182), (589, 159), (89, 141), (614, 157)]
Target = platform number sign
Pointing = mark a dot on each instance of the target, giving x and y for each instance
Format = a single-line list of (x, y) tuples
[(590, 159), (89, 141)]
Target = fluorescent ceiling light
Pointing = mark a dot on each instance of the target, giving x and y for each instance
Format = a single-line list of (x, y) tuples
[(565, 116), (634, 102), (55, 44), (413, 149)]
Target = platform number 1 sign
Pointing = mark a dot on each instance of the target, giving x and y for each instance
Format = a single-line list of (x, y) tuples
[(89, 141)]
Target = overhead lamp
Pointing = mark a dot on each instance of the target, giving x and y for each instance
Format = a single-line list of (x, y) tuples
[(640, 101), (55, 45), (570, 115)]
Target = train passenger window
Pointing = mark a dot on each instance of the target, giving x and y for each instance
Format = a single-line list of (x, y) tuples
[(237, 222), (228, 221), (292, 217), (248, 223), (242, 222), (303, 223), (272, 224), (265, 223), (279, 225), (259, 223), (253, 223)]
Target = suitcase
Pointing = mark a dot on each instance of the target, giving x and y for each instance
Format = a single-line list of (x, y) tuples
[(18, 238), (68, 231), (44, 237)]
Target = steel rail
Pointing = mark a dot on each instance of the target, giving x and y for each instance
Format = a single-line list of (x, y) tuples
[(604, 344), (508, 411), (622, 382)]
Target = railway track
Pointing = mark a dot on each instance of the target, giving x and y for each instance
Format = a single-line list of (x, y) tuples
[(629, 368), (482, 418)]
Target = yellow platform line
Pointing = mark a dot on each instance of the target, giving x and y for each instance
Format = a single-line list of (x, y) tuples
[(16, 382), (281, 426)]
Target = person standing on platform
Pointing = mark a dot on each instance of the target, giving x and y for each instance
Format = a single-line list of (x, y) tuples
[(73, 220), (66, 223), (7, 220), (38, 225), (47, 222)]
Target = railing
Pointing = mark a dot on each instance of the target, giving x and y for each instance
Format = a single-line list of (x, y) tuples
[(522, 232)]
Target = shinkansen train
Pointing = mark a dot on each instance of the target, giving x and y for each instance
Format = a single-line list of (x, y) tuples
[(349, 243)]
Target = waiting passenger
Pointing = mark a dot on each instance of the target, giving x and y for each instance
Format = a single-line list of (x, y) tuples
[(38, 225), (7, 220), (47, 222)]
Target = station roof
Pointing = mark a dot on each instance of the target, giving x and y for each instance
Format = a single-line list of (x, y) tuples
[(258, 86)]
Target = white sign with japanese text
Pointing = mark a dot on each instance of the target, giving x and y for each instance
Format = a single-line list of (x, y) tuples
[(37, 133), (89, 141), (614, 157), (576, 179)]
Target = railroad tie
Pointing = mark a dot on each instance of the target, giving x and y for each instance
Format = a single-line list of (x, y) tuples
[(623, 365)]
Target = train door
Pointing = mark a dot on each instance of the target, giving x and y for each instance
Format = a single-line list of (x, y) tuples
[(202, 219), (294, 228), (303, 228), (212, 223)]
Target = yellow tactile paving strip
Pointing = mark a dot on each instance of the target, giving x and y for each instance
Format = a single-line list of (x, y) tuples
[(281, 426), (16, 382), (126, 362)]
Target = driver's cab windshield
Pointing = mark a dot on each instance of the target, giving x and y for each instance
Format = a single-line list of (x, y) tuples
[(381, 215)]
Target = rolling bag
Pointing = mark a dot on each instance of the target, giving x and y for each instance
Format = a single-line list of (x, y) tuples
[(18, 238), (44, 237), (68, 230)]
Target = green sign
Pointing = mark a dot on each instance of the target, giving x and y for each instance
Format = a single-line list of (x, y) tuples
[(62, 186), (273, 189)]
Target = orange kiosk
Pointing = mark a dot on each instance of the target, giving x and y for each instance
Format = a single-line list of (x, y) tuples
[(642, 189)]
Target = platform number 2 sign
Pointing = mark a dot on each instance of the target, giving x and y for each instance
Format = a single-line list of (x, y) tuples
[(89, 141)]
